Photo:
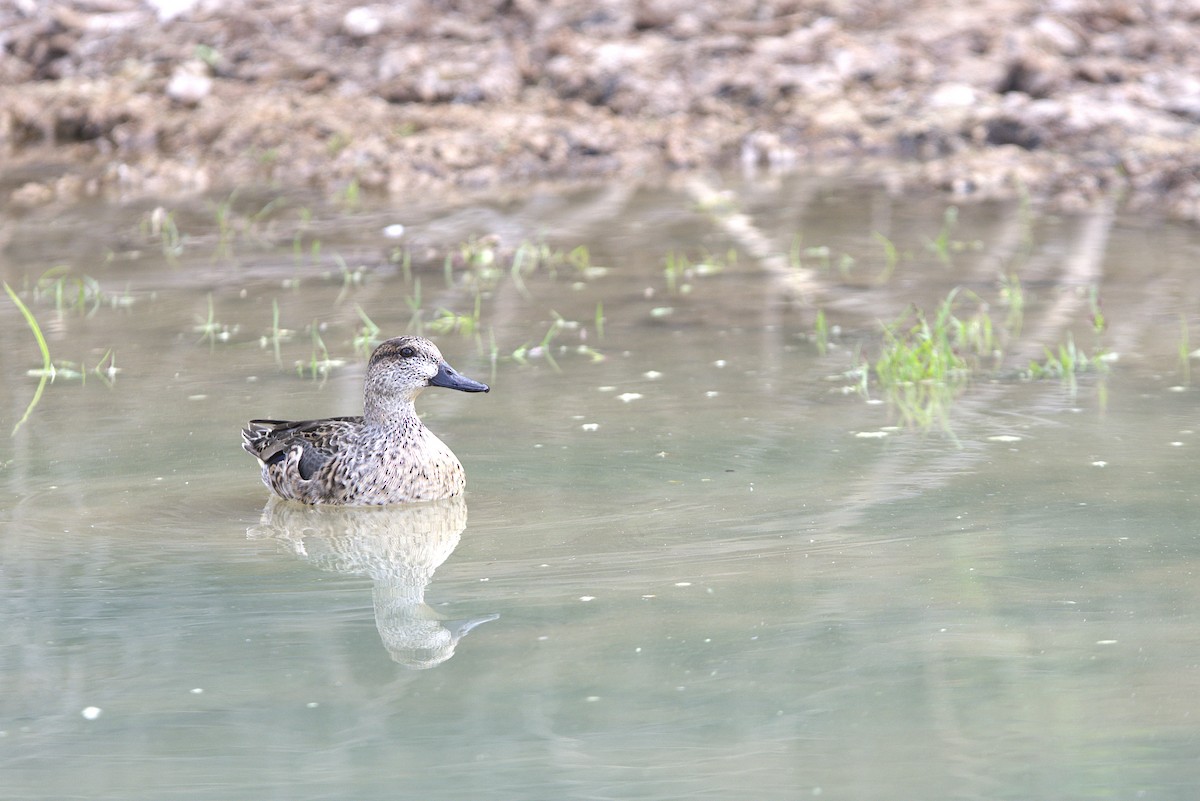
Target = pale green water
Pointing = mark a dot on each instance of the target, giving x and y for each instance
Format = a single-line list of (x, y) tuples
[(707, 584)]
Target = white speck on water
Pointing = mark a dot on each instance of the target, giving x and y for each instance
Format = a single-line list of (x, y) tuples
[(626, 397), (485, 578), (1177, 444), (872, 401), (712, 393), (196, 397), (543, 637), (1106, 642), (586, 598), (647, 597), (91, 712), (661, 311), (1004, 438), (591, 699), (197, 691), (1176, 388), (653, 375), (720, 363), (393, 231), (606, 389), (683, 584), (871, 434), (590, 426), (312, 705), (1099, 463)]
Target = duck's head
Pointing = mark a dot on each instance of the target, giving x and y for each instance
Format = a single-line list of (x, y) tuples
[(406, 365)]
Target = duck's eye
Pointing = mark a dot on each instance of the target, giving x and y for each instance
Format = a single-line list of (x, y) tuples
[(408, 353)]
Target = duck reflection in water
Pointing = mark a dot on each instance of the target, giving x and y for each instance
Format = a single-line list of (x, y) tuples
[(399, 548)]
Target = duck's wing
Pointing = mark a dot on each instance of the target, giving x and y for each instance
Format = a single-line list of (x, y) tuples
[(272, 440)]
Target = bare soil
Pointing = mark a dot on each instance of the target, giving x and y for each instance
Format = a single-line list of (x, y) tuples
[(1075, 102)]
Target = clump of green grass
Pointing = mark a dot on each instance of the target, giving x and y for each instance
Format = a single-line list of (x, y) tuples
[(525, 352), (1067, 363), (160, 224), (351, 278), (278, 334), (68, 292), (1099, 323), (679, 269), (298, 235), (891, 257), (821, 332), (451, 322), (821, 256), (351, 195), (479, 258), (944, 245), (416, 322), (75, 293), (529, 257), (336, 143), (403, 257), (212, 330), (106, 369), (926, 360), (367, 337), (1012, 295), (947, 349), (319, 364)]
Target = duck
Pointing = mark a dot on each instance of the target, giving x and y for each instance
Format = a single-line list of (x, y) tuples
[(386, 456)]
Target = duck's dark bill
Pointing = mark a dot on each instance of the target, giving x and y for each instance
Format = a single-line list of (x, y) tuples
[(450, 378)]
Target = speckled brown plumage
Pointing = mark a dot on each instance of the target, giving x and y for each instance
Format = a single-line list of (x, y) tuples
[(385, 456)]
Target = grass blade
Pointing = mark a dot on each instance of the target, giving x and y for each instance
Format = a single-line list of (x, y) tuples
[(47, 366)]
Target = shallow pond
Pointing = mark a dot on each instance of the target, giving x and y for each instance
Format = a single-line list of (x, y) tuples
[(697, 555)]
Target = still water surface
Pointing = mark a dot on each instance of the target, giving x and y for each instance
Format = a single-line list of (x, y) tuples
[(691, 563)]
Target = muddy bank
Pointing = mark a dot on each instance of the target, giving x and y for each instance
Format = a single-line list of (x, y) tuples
[(1074, 102)]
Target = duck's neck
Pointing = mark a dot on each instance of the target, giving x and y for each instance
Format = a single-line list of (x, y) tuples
[(384, 409)]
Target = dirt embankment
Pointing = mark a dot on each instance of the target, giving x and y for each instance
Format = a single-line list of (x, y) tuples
[(1072, 101)]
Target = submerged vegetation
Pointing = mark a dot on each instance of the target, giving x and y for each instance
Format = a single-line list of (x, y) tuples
[(488, 292)]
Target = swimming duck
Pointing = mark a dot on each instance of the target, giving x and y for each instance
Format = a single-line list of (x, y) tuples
[(385, 456)]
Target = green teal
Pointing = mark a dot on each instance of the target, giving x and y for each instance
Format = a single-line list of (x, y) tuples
[(385, 456)]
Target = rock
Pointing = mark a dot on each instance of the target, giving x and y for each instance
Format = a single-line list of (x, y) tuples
[(362, 22), (31, 195), (190, 83)]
